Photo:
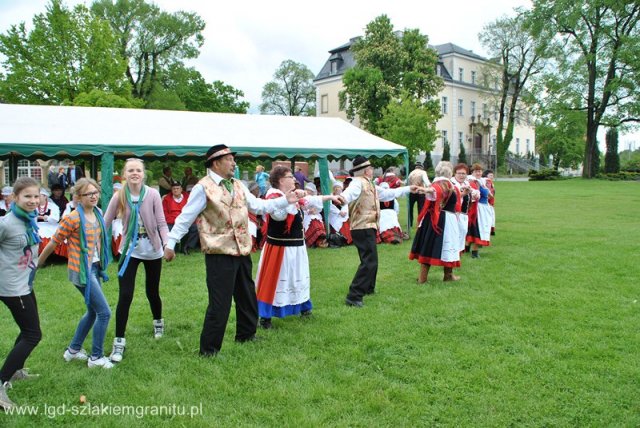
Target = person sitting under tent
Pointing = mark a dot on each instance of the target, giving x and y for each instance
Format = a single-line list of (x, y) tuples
[(314, 230), (390, 230), (339, 217)]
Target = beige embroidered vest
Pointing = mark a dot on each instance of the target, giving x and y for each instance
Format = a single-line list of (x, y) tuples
[(364, 212), (224, 223)]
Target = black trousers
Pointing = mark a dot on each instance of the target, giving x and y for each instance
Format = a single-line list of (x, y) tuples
[(413, 199), (152, 270), (228, 277), (364, 282), (24, 310)]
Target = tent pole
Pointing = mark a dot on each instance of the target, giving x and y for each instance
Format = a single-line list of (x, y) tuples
[(406, 174), (327, 189), (106, 168)]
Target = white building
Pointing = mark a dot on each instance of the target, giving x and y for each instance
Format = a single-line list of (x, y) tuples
[(468, 117)]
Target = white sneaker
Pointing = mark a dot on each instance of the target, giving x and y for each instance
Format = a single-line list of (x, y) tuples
[(118, 349), (80, 355), (158, 328), (100, 362), (5, 402)]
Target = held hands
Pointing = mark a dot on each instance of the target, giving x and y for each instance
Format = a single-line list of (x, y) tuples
[(169, 254), (294, 195), (421, 190)]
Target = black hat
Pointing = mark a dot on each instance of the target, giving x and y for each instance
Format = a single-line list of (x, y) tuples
[(360, 162), (216, 152), (175, 184), (419, 165)]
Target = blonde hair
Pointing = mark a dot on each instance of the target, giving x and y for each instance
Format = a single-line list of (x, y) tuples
[(122, 197)]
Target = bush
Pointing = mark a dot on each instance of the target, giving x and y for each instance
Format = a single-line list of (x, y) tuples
[(620, 176), (544, 174)]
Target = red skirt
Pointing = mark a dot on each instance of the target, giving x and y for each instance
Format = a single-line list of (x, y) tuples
[(315, 235)]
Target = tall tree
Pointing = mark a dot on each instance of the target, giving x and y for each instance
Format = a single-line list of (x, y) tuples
[(411, 124), (561, 134), (291, 93), (388, 67), (598, 60), (517, 56), (150, 39), (462, 154), (611, 158), (198, 95), (66, 52)]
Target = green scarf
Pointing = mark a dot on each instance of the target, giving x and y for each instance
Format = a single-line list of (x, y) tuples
[(84, 251), (29, 219), (131, 238)]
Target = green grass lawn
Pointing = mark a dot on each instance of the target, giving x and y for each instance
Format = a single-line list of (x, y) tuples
[(542, 330)]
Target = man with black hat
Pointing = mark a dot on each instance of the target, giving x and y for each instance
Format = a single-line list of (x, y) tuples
[(364, 214), (222, 205), (417, 177)]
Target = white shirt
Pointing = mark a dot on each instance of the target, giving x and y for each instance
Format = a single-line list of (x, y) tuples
[(198, 202), (355, 188)]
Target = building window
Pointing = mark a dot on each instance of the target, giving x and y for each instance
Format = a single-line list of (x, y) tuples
[(528, 146), (324, 104), (473, 77), (473, 109), (460, 107), (485, 111), (444, 137), (26, 169), (445, 107), (517, 146), (461, 74), (460, 137)]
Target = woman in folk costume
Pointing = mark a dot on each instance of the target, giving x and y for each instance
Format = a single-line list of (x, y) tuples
[(84, 230), (18, 257), (282, 281), (459, 179), (390, 231), (488, 180), (315, 233), (479, 233), (437, 239), (144, 236), (48, 218), (339, 216)]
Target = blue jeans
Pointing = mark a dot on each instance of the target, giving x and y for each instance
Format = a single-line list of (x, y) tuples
[(97, 316)]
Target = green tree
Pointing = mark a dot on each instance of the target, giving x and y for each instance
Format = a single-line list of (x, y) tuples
[(611, 158), (291, 93), (462, 154), (597, 62), (98, 98), (389, 67), (198, 95), (561, 134), (66, 52), (446, 151), (410, 123), (150, 39), (518, 57)]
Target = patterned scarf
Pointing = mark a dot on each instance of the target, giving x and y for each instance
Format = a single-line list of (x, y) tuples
[(85, 264), (29, 219), (132, 231)]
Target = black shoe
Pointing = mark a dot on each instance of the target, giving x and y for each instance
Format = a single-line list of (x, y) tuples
[(305, 314), (185, 251), (253, 338), (475, 255), (265, 323), (354, 303)]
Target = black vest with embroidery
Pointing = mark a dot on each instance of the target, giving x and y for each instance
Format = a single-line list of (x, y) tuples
[(277, 235)]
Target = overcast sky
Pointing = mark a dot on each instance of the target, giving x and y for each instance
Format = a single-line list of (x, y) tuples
[(245, 41)]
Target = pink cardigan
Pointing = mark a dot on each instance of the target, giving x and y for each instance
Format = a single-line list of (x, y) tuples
[(152, 217)]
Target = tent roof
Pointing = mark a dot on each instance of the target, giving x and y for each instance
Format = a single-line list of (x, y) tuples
[(55, 131)]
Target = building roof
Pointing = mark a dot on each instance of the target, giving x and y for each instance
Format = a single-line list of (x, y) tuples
[(450, 48)]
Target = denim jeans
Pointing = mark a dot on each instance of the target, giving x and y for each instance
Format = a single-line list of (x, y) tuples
[(97, 316)]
